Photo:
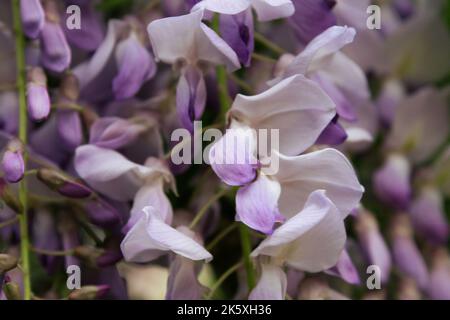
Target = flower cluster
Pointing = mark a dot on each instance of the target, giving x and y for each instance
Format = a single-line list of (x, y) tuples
[(327, 171)]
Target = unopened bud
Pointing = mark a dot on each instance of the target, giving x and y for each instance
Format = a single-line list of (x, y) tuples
[(13, 165), (89, 292), (38, 100), (64, 185), (10, 200), (88, 254), (12, 290)]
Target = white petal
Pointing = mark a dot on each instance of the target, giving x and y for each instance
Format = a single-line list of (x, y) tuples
[(190, 40), (326, 169), (310, 241), (273, 9), (296, 106), (109, 172), (272, 284), (151, 236), (223, 6), (420, 124), (321, 47)]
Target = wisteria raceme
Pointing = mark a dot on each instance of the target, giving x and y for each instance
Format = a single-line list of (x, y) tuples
[(218, 149)]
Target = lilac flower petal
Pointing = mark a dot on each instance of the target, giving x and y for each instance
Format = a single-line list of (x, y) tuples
[(392, 182), (114, 133), (109, 172), (409, 260), (70, 129), (373, 244), (345, 269), (102, 214), (296, 106), (257, 204), (296, 240), (91, 34), (232, 157), (56, 53), (33, 17), (327, 169), (311, 18), (96, 74), (344, 107), (191, 97), (135, 66), (272, 284), (237, 31), (428, 216), (151, 237)]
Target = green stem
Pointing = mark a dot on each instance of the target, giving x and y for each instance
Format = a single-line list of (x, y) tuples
[(269, 44), (9, 222), (206, 206), (246, 250), (23, 218), (222, 278), (54, 253), (221, 235)]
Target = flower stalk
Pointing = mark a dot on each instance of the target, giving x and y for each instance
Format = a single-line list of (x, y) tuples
[(21, 86)]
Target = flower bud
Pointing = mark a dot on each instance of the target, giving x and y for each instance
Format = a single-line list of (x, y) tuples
[(89, 292), (7, 262), (405, 253), (102, 214), (62, 184), (392, 182), (38, 100), (56, 53), (70, 129), (12, 290), (33, 17), (373, 244), (13, 165)]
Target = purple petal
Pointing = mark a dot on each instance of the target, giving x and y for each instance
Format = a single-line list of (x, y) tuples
[(56, 54), (392, 182), (70, 129), (334, 134), (191, 97), (102, 214), (237, 31), (135, 65), (345, 269), (373, 244), (311, 18), (33, 17), (257, 204), (428, 216), (114, 133), (232, 157), (91, 33)]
